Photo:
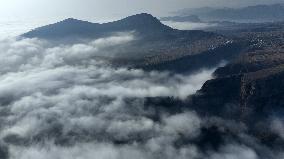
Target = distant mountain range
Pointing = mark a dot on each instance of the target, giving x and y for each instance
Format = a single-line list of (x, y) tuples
[(190, 18), (258, 13)]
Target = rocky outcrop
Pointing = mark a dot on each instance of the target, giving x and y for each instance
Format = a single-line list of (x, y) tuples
[(248, 90)]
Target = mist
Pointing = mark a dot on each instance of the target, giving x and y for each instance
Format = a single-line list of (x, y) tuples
[(188, 25), (97, 10), (62, 102)]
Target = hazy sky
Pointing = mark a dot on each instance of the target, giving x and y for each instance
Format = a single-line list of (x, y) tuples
[(105, 9)]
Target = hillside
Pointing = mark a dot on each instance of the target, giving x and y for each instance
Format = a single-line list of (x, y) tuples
[(73, 28)]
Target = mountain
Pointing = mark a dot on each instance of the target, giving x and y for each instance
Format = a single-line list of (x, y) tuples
[(142, 23), (154, 42), (252, 81), (251, 84), (258, 13), (248, 90)]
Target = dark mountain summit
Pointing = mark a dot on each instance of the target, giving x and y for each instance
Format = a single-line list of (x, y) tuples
[(141, 22), (68, 27)]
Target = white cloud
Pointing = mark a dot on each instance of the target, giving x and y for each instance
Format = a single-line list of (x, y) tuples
[(62, 102), (64, 94), (188, 25), (235, 152), (277, 126), (187, 124)]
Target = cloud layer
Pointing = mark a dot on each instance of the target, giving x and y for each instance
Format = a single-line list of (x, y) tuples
[(64, 102)]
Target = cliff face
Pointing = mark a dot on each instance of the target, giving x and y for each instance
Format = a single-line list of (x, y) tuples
[(252, 100), (253, 84), (262, 92), (218, 97), (249, 90)]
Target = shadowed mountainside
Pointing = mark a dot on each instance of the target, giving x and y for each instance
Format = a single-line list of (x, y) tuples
[(155, 44), (73, 28), (248, 90)]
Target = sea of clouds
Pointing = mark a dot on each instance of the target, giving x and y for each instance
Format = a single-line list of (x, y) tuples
[(61, 102)]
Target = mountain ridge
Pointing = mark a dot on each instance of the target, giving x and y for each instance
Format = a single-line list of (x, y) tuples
[(143, 23), (154, 42)]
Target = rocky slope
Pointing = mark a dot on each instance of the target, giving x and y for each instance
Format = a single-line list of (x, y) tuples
[(249, 90)]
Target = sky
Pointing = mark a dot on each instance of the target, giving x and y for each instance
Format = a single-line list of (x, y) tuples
[(98, 10), (20, 16)]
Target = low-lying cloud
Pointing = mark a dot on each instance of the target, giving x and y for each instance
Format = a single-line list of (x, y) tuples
[(62, 95), (189, 25), (64, 102)]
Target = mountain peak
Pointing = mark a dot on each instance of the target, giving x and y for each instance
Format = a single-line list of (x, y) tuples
[(72, 21), (142, 17), (146, 15), (142, 21)]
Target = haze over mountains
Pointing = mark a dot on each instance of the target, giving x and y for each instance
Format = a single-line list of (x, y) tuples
[(258, 13), (189, 18)]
